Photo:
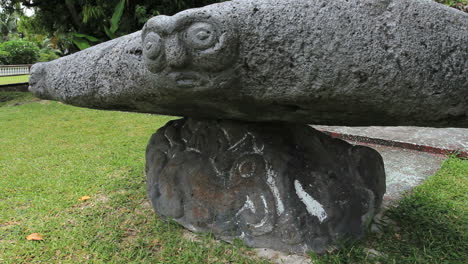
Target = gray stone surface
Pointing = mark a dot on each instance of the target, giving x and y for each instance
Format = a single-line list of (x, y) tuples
[(278, 257), (343, 62), (405, 169), (276, 185), (106, 76), (451, 139)]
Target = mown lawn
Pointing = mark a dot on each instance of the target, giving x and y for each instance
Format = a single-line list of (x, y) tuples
[(428, 226), (52, 154), (14, 79)]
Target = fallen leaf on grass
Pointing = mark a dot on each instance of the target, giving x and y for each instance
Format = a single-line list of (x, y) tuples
[(84, 198), (10, 223), (34, 236)]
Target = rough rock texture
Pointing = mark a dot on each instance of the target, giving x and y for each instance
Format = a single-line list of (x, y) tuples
[(109, 75), (343, 62), (276, 185)]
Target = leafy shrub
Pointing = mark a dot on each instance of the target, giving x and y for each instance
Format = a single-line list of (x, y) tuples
[(4, 57), (20, 52), (48, 55)]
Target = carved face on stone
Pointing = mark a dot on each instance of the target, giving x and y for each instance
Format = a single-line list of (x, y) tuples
[(190, 50)]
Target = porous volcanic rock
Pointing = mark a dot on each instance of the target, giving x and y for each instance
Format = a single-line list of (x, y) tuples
[(276, 185), (341, 62)]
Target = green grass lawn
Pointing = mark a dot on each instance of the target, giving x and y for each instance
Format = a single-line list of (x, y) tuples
[(52, 154), (14, 79), (430, 225)]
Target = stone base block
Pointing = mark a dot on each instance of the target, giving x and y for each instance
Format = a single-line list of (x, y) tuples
[(282, 186)]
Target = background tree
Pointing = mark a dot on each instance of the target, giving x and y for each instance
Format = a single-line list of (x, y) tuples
[(9, 17), (72, 25)]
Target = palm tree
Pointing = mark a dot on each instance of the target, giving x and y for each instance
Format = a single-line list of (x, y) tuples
[(9, 17), (8, 24)]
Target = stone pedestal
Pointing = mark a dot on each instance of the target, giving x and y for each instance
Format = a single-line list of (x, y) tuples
[(276, 185)]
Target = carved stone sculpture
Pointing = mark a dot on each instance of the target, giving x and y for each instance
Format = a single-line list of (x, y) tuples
[(271, 183), (277, 185), (343, 62)]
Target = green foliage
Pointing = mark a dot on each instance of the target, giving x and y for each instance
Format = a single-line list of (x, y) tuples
[(91, 12), (61, 20), (9, 17), (116, 16), (4, 57), (20, 52), (115, 20), (83, 41), (30, 31), (48, 56), (141, 14)]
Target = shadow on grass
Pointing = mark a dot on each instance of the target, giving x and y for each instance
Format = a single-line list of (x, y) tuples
[(16, 98)]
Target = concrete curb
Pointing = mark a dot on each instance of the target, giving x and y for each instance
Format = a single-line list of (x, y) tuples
[(397, 144)]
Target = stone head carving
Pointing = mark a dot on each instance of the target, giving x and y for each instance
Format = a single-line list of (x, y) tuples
[(193, 49)]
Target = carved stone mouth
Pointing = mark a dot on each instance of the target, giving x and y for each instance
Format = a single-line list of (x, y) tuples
[(186, 79)]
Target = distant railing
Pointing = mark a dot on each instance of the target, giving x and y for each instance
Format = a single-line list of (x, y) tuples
[(12, 70)]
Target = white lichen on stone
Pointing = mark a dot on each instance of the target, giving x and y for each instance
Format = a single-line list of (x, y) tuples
[(313, 207), (271, 176)]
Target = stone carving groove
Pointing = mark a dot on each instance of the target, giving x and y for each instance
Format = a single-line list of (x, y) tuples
[(274, 185)]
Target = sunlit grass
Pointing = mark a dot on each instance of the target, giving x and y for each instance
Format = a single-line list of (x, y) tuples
[(52, 154), (14, 79)]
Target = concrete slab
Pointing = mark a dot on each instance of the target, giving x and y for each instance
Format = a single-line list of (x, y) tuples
[(405, 169), (426, 139)]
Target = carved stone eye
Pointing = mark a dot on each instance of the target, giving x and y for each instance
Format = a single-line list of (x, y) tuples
[(247, 166), (201, 35), (152, 46)]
